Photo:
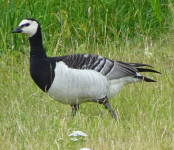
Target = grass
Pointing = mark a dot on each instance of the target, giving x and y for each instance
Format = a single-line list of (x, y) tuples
[(30, 119)]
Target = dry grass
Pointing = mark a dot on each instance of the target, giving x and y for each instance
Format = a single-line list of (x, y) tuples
[(31, 120)]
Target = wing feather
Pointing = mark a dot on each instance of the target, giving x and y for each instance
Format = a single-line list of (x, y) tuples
[(111, 69)]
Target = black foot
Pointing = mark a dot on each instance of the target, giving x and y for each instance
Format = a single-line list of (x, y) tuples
[(74, 109), (108, 106)]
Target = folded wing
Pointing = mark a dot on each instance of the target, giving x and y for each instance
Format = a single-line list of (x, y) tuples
[(111, 69)]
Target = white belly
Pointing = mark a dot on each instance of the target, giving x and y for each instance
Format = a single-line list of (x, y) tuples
[(73, 86)]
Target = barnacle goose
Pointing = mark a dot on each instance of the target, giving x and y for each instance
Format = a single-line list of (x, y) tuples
[(78, 78)]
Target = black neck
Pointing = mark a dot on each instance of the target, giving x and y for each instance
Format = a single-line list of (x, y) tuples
[(36, 47)]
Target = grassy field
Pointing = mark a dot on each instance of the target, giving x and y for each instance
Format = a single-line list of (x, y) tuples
[(143, 32)]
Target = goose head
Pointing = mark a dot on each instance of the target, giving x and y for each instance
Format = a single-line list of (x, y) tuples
[(28, 27)]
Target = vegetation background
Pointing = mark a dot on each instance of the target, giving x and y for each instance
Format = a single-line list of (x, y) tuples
[(131, 31)]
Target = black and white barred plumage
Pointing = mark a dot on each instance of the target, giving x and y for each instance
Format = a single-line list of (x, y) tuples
[(78, 78), (110, 68)]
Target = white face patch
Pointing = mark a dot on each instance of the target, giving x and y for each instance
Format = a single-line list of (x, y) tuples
[(29, 30)]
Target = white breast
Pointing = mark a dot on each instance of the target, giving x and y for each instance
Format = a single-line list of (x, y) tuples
[(73, 86)]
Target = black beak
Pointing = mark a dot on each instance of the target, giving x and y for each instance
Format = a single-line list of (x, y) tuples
[(17, 30)]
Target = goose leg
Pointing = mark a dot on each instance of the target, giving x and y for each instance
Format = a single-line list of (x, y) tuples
[(105, 101), (74, 109), (108, 106)]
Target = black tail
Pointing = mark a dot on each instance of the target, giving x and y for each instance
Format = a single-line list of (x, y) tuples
[(136, 65), (145, 79)]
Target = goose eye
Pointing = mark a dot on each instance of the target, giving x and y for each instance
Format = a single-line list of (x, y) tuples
[(25, 25)]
